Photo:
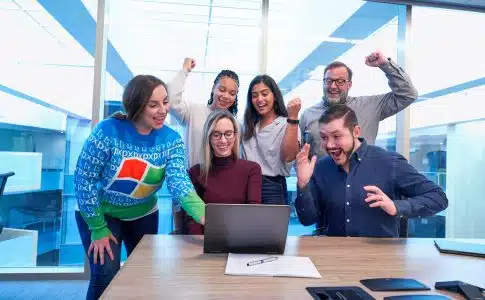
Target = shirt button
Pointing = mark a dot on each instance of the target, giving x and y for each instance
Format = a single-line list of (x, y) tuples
[(348, 185), (348, 203), (348, 220)]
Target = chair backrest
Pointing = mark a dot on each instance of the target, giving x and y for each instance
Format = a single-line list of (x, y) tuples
[(3, 182), (403, 227)]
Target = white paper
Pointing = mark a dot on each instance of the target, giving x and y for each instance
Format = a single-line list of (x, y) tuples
[(283, 266)]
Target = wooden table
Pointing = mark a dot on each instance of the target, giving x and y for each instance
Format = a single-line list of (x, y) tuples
[(174, 267)]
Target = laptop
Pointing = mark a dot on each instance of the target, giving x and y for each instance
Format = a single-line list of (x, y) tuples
[(447, 246), (246, 228)]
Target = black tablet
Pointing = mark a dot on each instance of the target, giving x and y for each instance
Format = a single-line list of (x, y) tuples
[(394, 284), (339, 292)]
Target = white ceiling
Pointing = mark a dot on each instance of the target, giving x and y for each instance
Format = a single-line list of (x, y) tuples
[(41, 59)]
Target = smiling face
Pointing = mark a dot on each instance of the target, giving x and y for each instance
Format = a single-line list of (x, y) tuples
[(336, 85), (224, 93), (262, 99), (338, 140), (155, 112), (222, 138)]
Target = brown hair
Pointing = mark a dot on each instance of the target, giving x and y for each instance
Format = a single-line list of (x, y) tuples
[(251, 115), (338, 111), (337, 64), (136, 95)]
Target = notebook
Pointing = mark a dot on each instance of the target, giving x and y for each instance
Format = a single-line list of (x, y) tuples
[(270, 265)]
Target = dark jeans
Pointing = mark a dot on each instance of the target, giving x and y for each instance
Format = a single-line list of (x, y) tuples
[(274, 191), (130, 232)]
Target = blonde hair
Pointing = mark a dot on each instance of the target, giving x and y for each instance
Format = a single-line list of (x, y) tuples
[(206, 151)]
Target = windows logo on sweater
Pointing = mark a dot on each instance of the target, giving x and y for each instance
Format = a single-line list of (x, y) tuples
[(136, 178)]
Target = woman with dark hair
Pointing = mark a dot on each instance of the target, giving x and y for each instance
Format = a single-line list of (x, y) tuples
[(271, 136), (222, 177), (193, 115), (122, 165)]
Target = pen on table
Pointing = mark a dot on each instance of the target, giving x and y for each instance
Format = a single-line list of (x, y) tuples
[(261, 261)]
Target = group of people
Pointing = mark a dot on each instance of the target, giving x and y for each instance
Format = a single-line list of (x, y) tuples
[(354, 189)]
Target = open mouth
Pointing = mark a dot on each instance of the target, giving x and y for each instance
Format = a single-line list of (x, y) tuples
[(335, 154), (261, 106), (224, 103), (333, 94), (222, 148), (159, 120)]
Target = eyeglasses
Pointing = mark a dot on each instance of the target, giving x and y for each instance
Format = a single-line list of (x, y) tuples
[(217, 135), (339, 81)]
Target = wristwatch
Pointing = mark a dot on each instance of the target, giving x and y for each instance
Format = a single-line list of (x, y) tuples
[(293, 121)]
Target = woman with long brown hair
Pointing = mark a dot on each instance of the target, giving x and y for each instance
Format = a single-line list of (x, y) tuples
[(122, 165)]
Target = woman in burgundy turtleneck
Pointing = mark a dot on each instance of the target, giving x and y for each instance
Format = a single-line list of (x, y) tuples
[(222, 177)]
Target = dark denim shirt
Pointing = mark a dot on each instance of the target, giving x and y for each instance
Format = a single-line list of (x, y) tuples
[(335, 200)]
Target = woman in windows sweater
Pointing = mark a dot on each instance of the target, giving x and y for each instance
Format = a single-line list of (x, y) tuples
[(122, 165), (222, 177)]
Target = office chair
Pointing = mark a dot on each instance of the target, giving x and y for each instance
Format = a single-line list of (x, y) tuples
[(3, 182), (43, 206), (403, 227)]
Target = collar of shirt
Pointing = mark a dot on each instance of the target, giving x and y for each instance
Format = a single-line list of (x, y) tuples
[(358, 155), (275, 122), (326, 104), (362, 150)]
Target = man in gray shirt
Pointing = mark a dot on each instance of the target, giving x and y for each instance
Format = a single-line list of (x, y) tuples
[(370, 110)]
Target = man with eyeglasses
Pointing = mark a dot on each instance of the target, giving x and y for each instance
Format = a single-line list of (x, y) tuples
[(370, 110)]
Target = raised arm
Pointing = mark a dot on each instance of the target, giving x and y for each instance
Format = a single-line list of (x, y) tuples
[(403, 92), (179, 107), (291, 145), (307, 198), (94, 155), (179, 184)]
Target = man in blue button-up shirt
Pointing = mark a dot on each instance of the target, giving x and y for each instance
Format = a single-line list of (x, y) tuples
[(359, 189)]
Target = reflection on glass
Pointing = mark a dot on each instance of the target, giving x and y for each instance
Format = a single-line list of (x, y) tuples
[(46, 96), (447, 124)]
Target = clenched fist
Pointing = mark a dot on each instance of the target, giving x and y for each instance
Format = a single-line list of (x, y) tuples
[(376, 59), (189, 64), (294, 107)]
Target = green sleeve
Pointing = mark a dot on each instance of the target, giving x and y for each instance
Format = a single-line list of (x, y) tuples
[(193, 205), (97, 225)]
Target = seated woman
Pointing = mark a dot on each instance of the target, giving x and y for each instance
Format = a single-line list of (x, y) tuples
[(222, 177)]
